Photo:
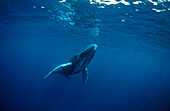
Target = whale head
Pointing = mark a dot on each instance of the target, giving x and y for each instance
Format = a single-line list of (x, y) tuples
[(82, 59), (93, 46), (91, 49)]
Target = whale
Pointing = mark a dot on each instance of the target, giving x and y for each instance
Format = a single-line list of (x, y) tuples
[(78, 63)]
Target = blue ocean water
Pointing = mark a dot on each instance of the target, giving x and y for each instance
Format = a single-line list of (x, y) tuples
[(129, 72)]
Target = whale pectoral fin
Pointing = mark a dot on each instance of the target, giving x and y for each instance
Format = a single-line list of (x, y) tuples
[(85, 76), (66, 64), (58, 69)]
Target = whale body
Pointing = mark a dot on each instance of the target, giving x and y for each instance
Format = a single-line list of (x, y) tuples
[(76, 64)]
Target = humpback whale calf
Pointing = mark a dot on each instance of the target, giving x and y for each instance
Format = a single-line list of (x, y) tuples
[(76, 64)]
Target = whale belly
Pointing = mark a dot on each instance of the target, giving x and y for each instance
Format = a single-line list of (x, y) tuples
[(79, 67)]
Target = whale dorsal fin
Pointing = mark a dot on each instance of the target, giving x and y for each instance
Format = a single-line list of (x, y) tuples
[(84, 76)]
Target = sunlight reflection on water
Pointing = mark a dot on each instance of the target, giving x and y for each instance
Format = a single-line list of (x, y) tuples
[(82, 13)]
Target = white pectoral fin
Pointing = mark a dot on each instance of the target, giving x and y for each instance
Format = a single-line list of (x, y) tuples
[(50, 73), (66, 64), (85, 76), (58, 69)]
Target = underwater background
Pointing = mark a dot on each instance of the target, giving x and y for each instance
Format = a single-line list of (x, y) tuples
[(129, 72)]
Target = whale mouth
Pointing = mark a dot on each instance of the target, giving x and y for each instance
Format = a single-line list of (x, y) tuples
[(95, 46), (90, 49)]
